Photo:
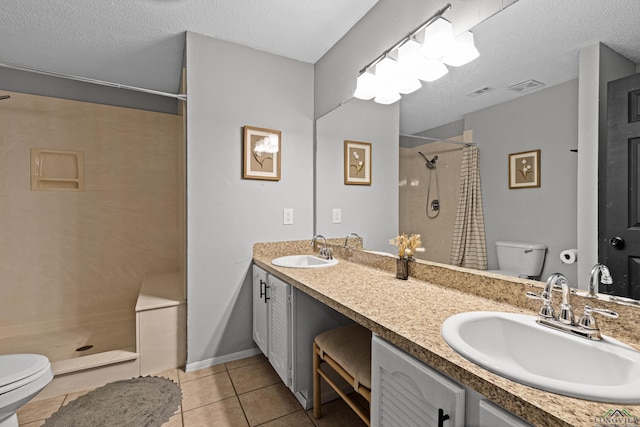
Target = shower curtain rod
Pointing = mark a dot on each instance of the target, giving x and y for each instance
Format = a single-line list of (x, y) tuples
[(179, 96), (438, 139)]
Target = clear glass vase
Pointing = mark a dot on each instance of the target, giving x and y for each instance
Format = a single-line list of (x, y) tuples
[(402, 268)]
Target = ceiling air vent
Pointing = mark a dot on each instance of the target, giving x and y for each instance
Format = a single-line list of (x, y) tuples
[(526, 86), (478, 92)]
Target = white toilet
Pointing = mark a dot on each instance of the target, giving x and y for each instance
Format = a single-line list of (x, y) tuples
[(520, 259), (22, 376)]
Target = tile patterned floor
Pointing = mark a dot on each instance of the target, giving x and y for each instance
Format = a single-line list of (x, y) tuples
[(245, 392)]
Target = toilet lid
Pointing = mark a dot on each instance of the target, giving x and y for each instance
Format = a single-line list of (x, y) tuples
[(17, 370)]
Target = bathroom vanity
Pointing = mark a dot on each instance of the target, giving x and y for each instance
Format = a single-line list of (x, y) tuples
[(406, 316), (285, 322)]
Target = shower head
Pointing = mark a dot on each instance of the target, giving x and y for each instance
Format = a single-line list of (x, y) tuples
[(430, 164)]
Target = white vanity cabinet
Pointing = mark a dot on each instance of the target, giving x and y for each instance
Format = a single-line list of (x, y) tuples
[(492, 415), (285, 323), (406, 392), (272, 321)]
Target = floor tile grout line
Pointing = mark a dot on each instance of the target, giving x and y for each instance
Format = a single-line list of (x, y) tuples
[(243, 411), (207, 404), (281, 417)]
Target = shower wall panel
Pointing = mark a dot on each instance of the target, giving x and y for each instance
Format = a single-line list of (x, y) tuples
[(414, 182), (66, 255)]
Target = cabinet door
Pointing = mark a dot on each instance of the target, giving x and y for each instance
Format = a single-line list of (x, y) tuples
[(494, 416), (260, 309), (406, 392), (279, 328)]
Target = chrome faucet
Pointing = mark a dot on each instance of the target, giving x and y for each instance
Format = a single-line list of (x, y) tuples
[(324, 252), (586, 326), (547, 312), (599, 274), (346, 240)]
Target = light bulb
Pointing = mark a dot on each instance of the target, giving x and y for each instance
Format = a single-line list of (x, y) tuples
[(462, 52), (365, 86), (432, 70), (412, 62), (387, 97), (386, 81), (409, 57), (438, 39)]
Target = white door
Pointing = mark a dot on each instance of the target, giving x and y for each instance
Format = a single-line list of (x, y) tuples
[(279, 328), (260, 309)]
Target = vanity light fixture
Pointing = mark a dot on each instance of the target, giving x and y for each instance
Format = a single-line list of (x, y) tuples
[(399, 69)]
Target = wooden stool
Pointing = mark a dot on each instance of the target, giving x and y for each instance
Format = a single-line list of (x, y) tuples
[(348, 351)]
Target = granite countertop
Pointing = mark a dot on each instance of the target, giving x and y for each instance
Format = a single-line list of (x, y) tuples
[(409, 314)]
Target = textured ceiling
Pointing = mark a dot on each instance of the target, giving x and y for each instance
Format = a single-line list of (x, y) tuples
[(531, 39), (141, 42)]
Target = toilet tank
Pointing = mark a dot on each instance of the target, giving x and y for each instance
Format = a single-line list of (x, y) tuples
[(523, 258)]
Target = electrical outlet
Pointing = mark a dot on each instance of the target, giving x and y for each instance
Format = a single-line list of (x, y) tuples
[(287, 216), (337, 215)]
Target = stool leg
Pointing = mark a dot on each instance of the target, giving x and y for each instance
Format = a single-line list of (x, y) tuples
[(317, 405)]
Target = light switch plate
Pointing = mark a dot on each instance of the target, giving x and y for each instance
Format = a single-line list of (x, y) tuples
[(337, 215), (287, 216)]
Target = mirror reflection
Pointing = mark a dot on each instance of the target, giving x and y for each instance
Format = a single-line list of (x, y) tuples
[(523, 43)]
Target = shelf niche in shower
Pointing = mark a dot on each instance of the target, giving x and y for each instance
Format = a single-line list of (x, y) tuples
[(56, 170)]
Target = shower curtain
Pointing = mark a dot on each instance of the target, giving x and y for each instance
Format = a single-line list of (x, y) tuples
[(469, 248)]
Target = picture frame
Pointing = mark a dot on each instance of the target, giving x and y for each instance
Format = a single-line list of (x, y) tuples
[(524, 169), (357, 163), (261, 154)]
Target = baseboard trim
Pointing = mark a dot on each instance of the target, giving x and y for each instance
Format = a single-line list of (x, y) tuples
[(207, 363)]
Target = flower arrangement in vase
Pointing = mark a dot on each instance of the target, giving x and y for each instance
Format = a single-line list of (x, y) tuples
[(407, 246)]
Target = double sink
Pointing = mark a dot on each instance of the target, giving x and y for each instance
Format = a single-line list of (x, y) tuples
[(517, 347)]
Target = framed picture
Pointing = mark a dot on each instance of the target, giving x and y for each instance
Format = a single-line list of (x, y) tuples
[(261, 153), (357, 163), (524, 169)]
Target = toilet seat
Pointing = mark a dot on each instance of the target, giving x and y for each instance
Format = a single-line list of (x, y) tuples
[(18, 370)]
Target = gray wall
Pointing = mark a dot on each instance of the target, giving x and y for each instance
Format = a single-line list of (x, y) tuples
[(545, 120), (230, 86), (371, 211)]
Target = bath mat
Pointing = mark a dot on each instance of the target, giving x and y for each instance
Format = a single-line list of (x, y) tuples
[(138, 402)]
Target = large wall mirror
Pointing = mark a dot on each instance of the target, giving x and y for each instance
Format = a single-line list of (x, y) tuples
[(552, 48)]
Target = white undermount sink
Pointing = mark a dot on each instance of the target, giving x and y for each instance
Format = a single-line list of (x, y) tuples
[(516, 347), (303, 261)]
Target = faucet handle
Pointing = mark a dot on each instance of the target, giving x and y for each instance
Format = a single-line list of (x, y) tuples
[(587, 321), (325, 253), (546, 311), (533, 296)]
